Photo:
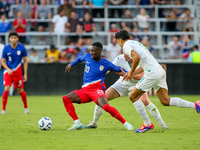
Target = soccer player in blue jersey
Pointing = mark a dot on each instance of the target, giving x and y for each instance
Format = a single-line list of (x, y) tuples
[(93, 88), (11, 60)]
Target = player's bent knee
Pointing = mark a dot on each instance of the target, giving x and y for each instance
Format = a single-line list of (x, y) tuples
[(20, 90), (165, 103)]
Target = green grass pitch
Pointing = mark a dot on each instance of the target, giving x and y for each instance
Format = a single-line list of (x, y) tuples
[(20, 132)]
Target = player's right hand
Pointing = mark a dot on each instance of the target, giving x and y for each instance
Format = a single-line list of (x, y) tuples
[(68, 68), (9, 71)]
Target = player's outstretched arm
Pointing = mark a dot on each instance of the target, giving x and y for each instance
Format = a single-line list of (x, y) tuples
[(68, 68), (25, 68)]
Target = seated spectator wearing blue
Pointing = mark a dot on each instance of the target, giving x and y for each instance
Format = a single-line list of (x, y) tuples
[(194, 56), (4, 26), (4, 7), (82, 48), (145, 2)]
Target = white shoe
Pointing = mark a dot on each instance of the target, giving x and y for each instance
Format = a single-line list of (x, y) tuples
[(3, 112), (76, 126), (164, 127), (128, 126), (91, 125), (26, 111)]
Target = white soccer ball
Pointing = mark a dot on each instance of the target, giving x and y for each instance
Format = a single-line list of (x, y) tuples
[(45, 123)]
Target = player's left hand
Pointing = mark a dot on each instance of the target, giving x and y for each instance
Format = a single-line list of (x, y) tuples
[(25, 78), (122, 73)]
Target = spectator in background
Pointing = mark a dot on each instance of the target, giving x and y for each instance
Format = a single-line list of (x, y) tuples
[(37, 2), (87, 26), (171, 25), (34, 57), (186, 44), (4, 7), (4, 27), (147, 44), (113, 50), (66, 55), (52, 55), (61, 2), (114, 28), (42, 12), (178, 11), (59, 24), (67, 6), (175, 48), (187, 25), (80, 11), (112, 11), (142, 18), (82, 48), (128, 25), (145, 34), (25, 9), (160, 10), (145, 2), (74, 26), (20, 26), (26, 1), (100, 11), (194, 56), (135, 37)]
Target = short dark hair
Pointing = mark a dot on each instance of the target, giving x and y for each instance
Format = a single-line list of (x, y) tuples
[(123, 34), (196, 46), (13, 34), (98, 45), (3, 14), (52, 46)]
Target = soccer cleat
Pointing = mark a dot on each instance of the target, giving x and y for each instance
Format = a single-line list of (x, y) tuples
[(76, 126), (3, 112), (91, 126), (144, 128), (128, 126), (26, 111), (165, 127), (197, 106)]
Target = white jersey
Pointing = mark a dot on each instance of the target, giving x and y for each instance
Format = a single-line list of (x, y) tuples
[(120, 62), (147, 61)]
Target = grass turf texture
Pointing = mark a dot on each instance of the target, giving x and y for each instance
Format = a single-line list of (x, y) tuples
[(19, 131)]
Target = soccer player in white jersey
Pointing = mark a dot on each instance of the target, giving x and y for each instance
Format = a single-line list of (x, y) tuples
[(154, 77), (120, 88)]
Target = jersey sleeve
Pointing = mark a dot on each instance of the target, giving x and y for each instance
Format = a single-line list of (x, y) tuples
[(116, 61), (79, 59), (24, 52), (4, 54), (127, 50)]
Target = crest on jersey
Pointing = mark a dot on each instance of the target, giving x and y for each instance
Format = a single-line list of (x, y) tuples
[(18, 52), (101, 67)]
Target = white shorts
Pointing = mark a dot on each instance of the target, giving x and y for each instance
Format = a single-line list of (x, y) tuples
[(154, 79), (121, 88)]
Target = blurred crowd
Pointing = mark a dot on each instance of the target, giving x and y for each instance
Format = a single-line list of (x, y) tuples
[(80, 20)]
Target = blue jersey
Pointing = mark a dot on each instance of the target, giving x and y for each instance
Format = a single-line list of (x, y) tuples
[(95, 70), (14, 57)]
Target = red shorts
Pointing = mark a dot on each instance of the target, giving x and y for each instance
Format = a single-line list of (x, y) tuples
[(9, 79), (90, 93)]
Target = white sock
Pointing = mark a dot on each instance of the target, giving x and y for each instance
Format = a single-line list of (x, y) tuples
[(77, 121), (142, 112), (97, 113), (153, 110), (175, 101)]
